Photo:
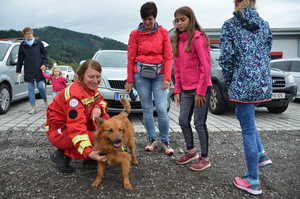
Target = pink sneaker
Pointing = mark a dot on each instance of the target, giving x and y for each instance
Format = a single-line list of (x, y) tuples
[(187, 157), (168, 150), (200, 165), (244, 184)]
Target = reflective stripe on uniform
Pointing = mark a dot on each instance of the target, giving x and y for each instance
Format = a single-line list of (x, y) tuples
[(67, 92), (79, 138), (87, 101), (83, 145), (96, 96)]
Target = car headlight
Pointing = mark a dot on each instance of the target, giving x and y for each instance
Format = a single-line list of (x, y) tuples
[(102, 83), (290, 80)]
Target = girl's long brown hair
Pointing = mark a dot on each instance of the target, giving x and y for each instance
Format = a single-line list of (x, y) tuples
[(194, 25)]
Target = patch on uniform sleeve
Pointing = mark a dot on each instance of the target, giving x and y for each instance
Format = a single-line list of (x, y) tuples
[(73, 102), (72, 114)]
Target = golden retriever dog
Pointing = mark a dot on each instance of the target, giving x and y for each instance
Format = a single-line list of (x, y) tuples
[(112, 138)]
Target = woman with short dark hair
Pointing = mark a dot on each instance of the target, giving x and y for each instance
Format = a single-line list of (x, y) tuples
[(149, 71)]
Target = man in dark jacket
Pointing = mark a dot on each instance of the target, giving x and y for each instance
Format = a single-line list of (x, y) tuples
[(32, 55)]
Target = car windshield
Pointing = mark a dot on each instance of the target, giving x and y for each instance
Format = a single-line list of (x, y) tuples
[(295, 67), (282, 65), (112, 59), (63, 68), (3, 49)]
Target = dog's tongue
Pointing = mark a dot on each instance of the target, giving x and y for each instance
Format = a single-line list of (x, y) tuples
[(117, 145)]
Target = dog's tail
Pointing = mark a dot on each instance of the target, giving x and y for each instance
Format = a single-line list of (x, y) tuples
[(126, 105)]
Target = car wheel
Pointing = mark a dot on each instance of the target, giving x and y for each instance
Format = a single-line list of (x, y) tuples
[(280, 109), (216, 101), (5, 98), (68, 79)]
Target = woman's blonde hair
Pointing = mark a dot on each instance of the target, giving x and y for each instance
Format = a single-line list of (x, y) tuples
[(56, 68), (241, 4), (193, 25)]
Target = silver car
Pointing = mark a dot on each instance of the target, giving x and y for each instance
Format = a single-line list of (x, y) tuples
[(290, 66), (12, 88), (114, 74)]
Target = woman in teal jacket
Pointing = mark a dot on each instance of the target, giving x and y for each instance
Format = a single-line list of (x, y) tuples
[(246, 42)]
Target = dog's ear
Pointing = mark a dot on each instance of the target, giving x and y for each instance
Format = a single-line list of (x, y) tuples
[(99, 121)]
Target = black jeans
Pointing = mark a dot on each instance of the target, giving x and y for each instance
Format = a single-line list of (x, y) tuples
[(187, 109)]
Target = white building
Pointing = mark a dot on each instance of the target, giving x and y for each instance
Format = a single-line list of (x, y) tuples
[(286, 41)]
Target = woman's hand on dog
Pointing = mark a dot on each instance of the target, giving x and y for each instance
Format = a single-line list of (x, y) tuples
[(128, 86), (95, 155), (96, 113)]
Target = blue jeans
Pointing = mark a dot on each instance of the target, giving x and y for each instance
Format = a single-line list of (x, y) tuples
[(251, 138), (31, 94), (147, 88)]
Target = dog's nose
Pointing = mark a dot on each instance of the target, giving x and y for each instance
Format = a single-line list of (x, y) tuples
[(117, 140)]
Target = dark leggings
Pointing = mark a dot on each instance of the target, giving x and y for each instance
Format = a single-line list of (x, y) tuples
[(187, 109)]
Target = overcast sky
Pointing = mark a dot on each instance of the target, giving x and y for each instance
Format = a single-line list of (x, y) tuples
[(116, 18)]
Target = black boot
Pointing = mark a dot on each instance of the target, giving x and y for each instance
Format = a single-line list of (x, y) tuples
[(62, 162), (91, 164)]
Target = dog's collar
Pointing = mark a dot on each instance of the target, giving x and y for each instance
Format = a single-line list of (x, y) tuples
[(124, 148)]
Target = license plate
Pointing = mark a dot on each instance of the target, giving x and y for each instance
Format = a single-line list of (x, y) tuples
[(119, 96), (278, 95)]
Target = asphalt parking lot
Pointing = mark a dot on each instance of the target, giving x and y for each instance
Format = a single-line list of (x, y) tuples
[(27, 172)]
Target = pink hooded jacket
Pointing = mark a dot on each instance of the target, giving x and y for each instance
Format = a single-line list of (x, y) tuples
[(58, 84), (193, 69)]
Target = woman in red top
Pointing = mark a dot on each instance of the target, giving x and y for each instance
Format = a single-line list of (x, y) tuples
[(149, 71), (192, 67), (59, 83)]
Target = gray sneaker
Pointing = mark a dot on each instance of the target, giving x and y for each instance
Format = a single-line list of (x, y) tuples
[(151, 146), (167, 149), (33, 111)]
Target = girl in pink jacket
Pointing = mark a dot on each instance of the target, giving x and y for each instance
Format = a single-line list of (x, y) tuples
[(192, 84), (59, 83)]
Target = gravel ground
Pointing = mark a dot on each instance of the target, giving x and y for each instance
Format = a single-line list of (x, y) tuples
[(27, 172)]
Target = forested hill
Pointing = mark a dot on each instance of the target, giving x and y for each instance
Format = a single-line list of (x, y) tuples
[(67, 46)]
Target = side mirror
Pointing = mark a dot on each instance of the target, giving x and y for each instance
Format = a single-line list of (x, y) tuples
[(13, 62), (81, 62)]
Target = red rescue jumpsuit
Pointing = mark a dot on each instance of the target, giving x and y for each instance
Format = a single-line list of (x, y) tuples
[(71, 127)]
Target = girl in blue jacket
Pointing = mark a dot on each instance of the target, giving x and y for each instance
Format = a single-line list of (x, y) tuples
[(246, 41)]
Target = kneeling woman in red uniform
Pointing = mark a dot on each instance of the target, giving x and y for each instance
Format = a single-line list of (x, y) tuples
[(71, 118)]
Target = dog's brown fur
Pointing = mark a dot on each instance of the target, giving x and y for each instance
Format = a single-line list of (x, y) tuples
[(108, 132)]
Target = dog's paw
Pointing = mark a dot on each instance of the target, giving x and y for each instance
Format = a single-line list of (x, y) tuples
[(135, 162), (96, 183), (128, 186)]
